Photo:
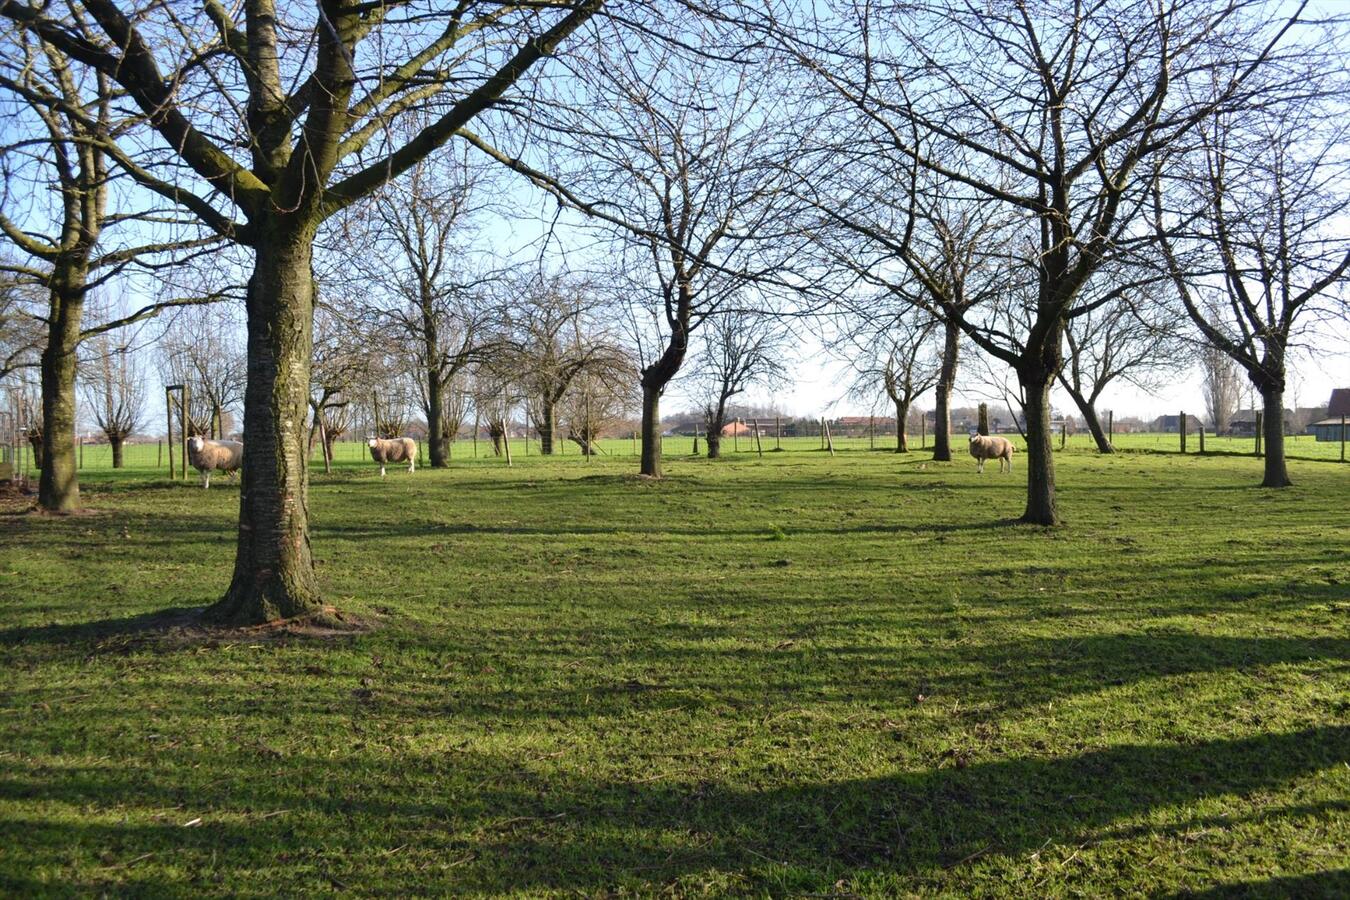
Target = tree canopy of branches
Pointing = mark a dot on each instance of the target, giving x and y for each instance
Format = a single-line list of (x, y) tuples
[(265, 127), (555, 334), (114, 392), (1050, 118), (54, 209), (898, 357), (1252, 225)]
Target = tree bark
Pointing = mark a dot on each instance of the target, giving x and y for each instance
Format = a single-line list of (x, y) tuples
[(438, 445), (115, 441), (1041, 507), (714, 441), (547, 422), (901, 417), (651, 429), (942, 413), (1272, 432), (273, 570), (59, 484)]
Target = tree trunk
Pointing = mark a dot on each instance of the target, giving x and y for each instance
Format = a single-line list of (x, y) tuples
[(35, 441), (273, 568), (546, 424), (901, 418), (438, 445), (1041, 508), (942, 413), (651, 430), (1272, 432), (59, 484), (1094, 423), (115, 441), (714, 441)]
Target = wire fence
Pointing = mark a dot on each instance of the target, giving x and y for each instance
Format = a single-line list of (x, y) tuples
[(96, 457)]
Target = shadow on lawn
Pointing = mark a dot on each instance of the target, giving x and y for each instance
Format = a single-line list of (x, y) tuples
[(526, 828)]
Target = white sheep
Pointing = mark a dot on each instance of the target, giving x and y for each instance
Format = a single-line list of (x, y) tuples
[(984, 447), (209, 456), (394, 450)]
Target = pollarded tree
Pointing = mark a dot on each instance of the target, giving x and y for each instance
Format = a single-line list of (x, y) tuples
[(114, 391), (741, 349), (1054, 115), (201, 348), (264, 128), (1256, 243)]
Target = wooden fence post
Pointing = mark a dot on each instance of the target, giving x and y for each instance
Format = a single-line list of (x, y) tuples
[(168, 416), (183, 426), (1063, 432), (1259, 425), (829, 441), (1342, 438), (1110, 426), (1202, 437), (695, 453), (759, 445), (1181, 430), (506, 442), (777, 433)]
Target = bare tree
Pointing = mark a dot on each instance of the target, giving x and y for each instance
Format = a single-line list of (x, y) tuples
[(740, 350), (202, 348), (1053, 117), (1255, 240), (1131, 339), (57, 189), (595, 404), (114, 391), (556, 338), (900, 358), (1222, 386), (284, 119)]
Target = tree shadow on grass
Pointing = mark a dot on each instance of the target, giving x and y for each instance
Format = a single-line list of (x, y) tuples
[(531, 828)]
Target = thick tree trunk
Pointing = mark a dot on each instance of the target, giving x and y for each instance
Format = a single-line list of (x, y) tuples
[(651, 430), (1041, 508), (901, 418), (715, 441), (59, 484), (942, 412), (547, 423), (273, 568), (115, 441), (1272, 433)]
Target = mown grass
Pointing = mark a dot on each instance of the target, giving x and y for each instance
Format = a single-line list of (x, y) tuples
[(794, 675)]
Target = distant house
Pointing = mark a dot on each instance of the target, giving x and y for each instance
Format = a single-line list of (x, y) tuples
[(1171, 424), (1339, 404), (1330, 430)]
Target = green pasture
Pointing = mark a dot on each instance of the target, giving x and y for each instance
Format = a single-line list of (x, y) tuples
[(800, 675)]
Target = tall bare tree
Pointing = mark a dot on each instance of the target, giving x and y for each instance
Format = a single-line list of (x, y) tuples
[(54, 209), (900, 357), (1221, 383), (1256, 241), (1055, 116), (264, 128)]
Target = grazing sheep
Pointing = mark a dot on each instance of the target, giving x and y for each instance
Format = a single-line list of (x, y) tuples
[(991, 447), (394, 450), (208, 456)]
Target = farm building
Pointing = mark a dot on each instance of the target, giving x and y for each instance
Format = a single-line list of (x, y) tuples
[(1170, 424), (1329, 430), (1339, 404)]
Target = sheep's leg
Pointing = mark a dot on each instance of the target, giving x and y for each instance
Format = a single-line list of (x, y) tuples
[(412, 464), (206, 479), (381, 470), (979, 465)]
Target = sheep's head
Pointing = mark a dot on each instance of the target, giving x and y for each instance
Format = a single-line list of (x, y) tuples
[(196, 442), (373, 441)]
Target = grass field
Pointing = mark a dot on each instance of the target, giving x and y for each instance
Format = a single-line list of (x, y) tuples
[(790, 676), (148, 456)]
